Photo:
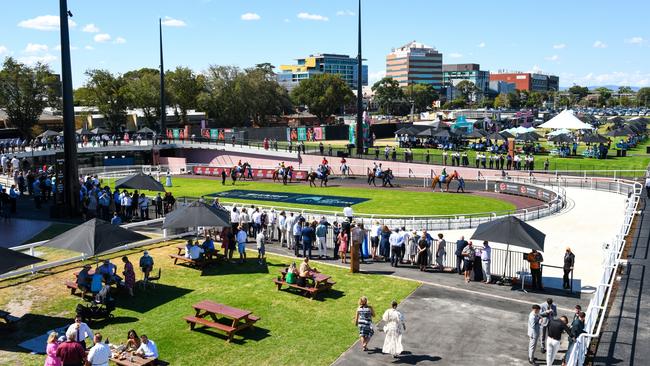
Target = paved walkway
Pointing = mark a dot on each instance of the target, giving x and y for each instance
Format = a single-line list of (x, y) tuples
[(626, 331)]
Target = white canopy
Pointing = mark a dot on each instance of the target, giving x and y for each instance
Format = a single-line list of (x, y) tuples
[(519, 130), (566, 120), (563, 131)]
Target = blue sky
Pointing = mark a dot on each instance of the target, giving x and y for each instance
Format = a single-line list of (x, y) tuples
[(585, 42)]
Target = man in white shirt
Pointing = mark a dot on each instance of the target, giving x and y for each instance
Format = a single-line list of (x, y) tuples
[(100, 353), (375, 231), (147, 348), (395, 241), (533, 332), (486, 258), (242, 238), (272, 224), (82, 330), (256, 218), (194, 252), (282, 225), (260, 239), (289, 231)]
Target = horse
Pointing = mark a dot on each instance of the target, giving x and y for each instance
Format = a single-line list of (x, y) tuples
[(244, 168), (437, 180), (323, 176), (286, 175), (386, 176)]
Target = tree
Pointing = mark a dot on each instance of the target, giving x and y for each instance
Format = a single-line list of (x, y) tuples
[(107, 94), (83, 97), (467, 90), (578, 92), (265, 96), (24, 93), (323, 94), (421, 95), (534, 100), (501, 101), (625, 90), (142, 90), (386, 93), (514, 100), (184, 89), (643, 97), (603, 95)]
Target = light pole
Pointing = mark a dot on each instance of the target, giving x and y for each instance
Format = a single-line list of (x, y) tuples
[(163, 108), (71, 173), (359, 127)]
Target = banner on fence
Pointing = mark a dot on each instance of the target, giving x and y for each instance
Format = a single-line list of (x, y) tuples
[(306, 134), (526, 190)]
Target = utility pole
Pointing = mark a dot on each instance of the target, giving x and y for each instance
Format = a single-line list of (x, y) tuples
[(71, 173), (359, 129), (163, 108)]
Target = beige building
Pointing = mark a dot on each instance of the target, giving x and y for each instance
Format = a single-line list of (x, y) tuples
[(415, 63)]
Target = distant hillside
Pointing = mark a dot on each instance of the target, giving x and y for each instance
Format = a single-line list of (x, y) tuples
[(611, 87)]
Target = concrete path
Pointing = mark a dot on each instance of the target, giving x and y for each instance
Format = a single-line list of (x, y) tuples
[(626, 331)]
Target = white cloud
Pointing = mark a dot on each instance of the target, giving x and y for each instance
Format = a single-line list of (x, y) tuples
[(455, 55), (89, 48), (342, 13), (44, 23), (3, 50), (32, 60), (535, 69), (35, 48), (552, 58), (171, 22), (635, 78), (250, 16), (481, 45), (308, 16), (559, 46), (600, 44), (635, 40), (102, 37), (375, 76), (90, 28), (119, 40)]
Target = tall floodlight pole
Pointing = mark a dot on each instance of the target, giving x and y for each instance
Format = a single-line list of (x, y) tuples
[(71, 174), (359, 129), (163, 108)]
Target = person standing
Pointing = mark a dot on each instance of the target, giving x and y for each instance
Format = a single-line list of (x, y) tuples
[(81, 331), (647, 187), (297, 233), (460, 246), (569, 261), (242, 238), (321, 239), (289, 222), (441, 252), (533, 332), (308, 238), (357, 234), (129, 275), (468, 254), (555, 329), (343, 245), (422, 255), (99, 354), (486, 258), (146, 265), (261, 249), (535, 260), (548, 311), (395, 240), (577, 328), (50, 351), (394, 328), (363, 320), (375, 232), (70, 352)]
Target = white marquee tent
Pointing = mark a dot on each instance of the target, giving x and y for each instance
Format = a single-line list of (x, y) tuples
[(566, 120)]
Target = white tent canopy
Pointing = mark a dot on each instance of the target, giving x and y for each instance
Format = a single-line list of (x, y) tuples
[(562, 131), (566, 120), (520, 130)]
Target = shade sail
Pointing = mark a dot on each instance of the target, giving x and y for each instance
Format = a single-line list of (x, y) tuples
[(99, 130), (566, 119), (561, 139), (83, 131), (140, 181), (196, 214), (94, 237), (146, 130), (512, 231), (594, 138), (11, 260), (496, 137), (49, 133), (562, 131), (442, 133)]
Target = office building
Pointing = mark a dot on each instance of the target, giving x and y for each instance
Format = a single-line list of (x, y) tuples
[(501, 87), (326, 63), (415, 63), (455, 73), (528, 81)]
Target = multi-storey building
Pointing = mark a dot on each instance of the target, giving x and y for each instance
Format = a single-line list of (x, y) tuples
[(415, 63), (455, 73), (326, 63), (528, 81)]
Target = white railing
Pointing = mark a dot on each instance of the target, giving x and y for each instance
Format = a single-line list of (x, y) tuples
[(598, 306)]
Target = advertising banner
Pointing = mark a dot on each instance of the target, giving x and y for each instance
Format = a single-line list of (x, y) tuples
[(526, 191), (305, 199)]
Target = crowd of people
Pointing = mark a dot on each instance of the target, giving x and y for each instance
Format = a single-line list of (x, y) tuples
[(546, 328)]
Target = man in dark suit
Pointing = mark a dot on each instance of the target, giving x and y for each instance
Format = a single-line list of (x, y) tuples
[(460, 245)]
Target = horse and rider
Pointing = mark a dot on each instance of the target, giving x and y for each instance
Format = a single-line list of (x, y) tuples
[(239, 171), (345, 168), (322, 172), (284, 173), (444, 178), (385, 175)]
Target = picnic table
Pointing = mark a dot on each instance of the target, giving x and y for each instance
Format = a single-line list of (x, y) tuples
[(319, 282), (137, 361), (72, 285), (198, 263), (238, 318)]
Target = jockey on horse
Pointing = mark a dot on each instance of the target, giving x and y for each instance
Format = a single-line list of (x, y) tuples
[(321, 173), (443, 178)]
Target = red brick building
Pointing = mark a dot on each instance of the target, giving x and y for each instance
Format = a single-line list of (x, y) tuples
[(528, 81)]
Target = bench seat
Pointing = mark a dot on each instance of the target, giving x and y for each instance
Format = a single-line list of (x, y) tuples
[(193, 320)]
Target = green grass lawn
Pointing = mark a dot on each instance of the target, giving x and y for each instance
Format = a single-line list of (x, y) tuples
[(293, 330), (382, 200)]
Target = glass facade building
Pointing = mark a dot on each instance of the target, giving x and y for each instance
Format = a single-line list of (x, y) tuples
[(327, 63)]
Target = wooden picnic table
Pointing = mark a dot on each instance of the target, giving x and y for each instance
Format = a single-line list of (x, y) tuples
[(320, 282), (239, 319), (137, 361)]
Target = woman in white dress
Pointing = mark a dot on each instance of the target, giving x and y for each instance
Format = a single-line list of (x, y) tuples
[(394, 328)]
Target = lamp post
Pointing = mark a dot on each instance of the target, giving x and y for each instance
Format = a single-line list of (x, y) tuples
[(359, 127), (71, 173), (163, 108)]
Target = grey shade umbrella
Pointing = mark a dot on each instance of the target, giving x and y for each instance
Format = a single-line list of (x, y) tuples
[(196, 214), (146, 130), (496, 136), (510, 230), (412, 131), (623, 131), (99, 130), (94, 237), (140, 181), (402, 131), (49, 133), (442, 133), (429, 132), (83, 131), (475, 134), (528, 136), (11, 260), (563, 138), (594, 138)]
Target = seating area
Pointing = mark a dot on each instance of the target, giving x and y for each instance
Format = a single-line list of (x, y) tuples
[(319, 282), (195, 263), (220, 314)]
